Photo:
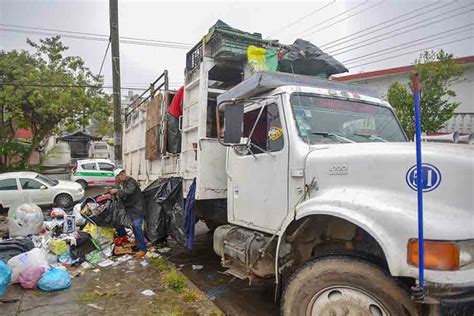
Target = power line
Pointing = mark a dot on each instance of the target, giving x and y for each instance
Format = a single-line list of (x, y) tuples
[(335, 16), (417, 42), (103, 59), (94, 34), (382, 23), (397, 34), (347, 17), (415, 51), (45, 85), (100, 39), (305, 17)]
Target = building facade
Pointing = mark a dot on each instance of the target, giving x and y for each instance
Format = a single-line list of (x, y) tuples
[(463, 119)]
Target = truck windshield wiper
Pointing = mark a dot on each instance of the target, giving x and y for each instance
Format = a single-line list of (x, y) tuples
[(371, 136), (327, 134)]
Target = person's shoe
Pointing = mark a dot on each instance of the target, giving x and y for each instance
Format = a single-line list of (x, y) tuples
[(140, 254)]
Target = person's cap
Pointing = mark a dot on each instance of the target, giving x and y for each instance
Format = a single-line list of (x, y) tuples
[(118, 171)]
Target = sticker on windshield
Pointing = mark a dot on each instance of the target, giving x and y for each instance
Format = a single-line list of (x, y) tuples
[(430, 177), (275, 133)]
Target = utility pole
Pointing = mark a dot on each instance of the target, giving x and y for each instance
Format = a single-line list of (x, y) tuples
[(114, 38)]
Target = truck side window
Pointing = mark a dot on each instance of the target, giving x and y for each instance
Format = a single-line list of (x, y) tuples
[(268, 133)]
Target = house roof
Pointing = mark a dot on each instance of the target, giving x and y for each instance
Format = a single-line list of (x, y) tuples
[(392, 71)]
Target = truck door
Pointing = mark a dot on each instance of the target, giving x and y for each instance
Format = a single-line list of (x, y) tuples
[(258, 175)]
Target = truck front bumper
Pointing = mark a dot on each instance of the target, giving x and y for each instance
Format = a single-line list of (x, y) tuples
[(453, 299)]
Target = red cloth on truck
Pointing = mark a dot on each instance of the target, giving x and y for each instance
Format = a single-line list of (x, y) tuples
[(176, 106)]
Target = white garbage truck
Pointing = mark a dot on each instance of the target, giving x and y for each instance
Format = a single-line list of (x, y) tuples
[(312, 182)]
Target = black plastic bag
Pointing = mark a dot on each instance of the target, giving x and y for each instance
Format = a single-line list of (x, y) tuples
[(156, 226), (307, 59), (12, 247), (84, 246), (113, 215), (170, 196)]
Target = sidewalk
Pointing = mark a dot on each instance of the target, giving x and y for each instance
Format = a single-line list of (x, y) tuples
[(116, 291)]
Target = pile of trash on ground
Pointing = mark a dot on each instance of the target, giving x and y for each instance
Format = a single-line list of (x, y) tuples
[(48, 252)]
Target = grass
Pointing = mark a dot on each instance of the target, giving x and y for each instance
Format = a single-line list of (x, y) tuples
[(176, 281), (160, 263), (189, 296)]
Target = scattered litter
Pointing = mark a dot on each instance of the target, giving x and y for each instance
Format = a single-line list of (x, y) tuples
[(106, 263), (124, 258), (86, 265), (99, 293), (144, 263), (117, 284), (151, 254), (148, 293), (164, 250), (96, 270), (129, 271), (5, 277), (197, 267), (95, 306)]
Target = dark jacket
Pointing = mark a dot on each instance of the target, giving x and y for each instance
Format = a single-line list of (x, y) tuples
[(131, 195)]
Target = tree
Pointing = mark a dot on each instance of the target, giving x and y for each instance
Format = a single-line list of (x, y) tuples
[(437, 71), (47, 92)]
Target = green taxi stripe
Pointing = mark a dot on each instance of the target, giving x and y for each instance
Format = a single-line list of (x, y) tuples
[(95, 173)]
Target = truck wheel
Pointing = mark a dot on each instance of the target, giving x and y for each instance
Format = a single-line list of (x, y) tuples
[(63, 200), (344, 285), (83, 183)]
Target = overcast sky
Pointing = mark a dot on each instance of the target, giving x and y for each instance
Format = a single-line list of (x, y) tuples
[(187, 21)]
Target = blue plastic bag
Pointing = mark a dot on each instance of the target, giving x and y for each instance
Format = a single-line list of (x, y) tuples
[(5, 277), (54, 280)]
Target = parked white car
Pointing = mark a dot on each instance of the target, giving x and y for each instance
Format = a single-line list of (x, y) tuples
[(38, 188), (92, 172)]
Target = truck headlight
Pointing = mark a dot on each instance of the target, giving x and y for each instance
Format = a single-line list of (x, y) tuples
[(443, 255)]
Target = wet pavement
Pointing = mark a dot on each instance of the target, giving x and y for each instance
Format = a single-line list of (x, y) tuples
[(233, 296)]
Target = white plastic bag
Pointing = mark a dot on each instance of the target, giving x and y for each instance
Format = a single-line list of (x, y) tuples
[(21, 262), (76, 211), (24, 219)]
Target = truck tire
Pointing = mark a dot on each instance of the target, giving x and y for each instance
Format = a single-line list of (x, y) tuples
[(344, 285)]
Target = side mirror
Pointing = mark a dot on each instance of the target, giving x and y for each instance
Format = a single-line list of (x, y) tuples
[(43, 187), (233, 119)]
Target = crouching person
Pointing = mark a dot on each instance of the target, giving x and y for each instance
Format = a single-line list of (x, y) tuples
[(128, 190)]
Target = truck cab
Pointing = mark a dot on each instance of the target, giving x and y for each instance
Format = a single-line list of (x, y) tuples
[(321, 195)]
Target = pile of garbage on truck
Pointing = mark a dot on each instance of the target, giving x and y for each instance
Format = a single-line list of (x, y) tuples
[(48, 252)]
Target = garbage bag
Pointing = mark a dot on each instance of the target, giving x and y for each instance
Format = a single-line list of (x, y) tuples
[(58, 247), (307, 59), (30, 277), (12, 247), (170, 196), (24, 219), (33, 258), (84, 246), (57, 212), (76, 211), (111, 214), (155, 216), (5, 277), (54, 280)]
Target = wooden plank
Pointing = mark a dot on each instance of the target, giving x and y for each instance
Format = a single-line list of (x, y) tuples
[(152, 147), (153, 112)]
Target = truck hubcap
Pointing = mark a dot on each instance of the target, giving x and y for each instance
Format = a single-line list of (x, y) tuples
[(347, 301)]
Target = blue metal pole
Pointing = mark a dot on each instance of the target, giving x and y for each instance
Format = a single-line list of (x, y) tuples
[(419, 179)]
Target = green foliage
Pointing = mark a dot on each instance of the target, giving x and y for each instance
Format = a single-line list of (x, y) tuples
[(51, 109), (437, 71), (9, 150), (176, 281)]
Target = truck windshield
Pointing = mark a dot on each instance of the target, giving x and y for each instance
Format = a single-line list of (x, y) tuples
[(331, 120)]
